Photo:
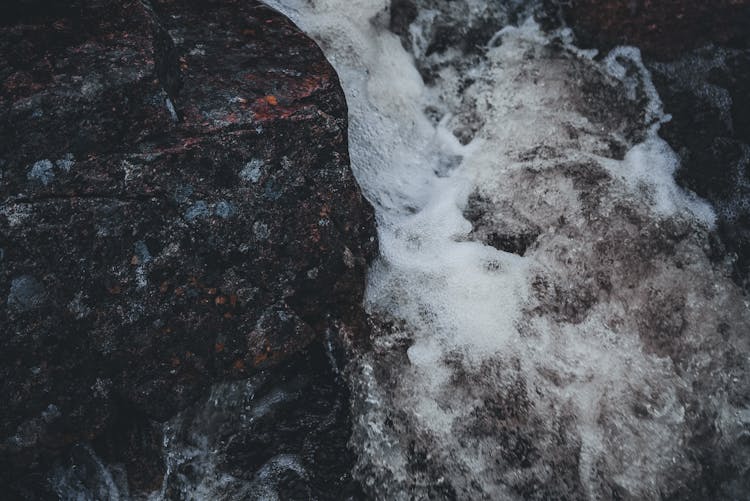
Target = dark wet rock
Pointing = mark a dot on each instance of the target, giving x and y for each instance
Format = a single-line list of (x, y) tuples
[(281, 429), (280, 432), (515, 239), (437, 31), (176, 209), (699, 56), (662, 29), (705, 91)]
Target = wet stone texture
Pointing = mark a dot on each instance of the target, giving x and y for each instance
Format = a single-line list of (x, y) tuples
[(661, 29), (176, 209), (699, 55)]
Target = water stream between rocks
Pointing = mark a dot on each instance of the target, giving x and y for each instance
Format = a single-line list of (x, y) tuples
[(550, 326), (547, 321)]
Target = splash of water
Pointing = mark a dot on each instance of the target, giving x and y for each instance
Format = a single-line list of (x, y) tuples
[(549, 324)]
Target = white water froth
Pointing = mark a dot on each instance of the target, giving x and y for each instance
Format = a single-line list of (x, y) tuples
[(578, 366), (194, 448)]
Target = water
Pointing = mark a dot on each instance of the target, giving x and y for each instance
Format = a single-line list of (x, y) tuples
[(278, 435), (548, 322)]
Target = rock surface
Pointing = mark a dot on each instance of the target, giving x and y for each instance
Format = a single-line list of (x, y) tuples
[(176, 209), (661, 29)]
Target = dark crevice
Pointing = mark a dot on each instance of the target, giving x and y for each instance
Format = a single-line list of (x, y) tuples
[(103, 197), (514, 243)]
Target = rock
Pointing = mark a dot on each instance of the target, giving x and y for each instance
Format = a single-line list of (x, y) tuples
[(699, 56), (705, 92), (661, 29), (277, 434), (176, 209)]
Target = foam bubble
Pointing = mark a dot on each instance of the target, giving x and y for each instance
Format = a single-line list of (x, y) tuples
[(650, 166)]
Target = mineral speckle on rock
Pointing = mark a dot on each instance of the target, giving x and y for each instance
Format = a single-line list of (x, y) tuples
[(26, 293), (42, 172), (251, 171)]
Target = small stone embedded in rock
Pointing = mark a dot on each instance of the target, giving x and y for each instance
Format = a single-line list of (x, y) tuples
[(251, 171), (199, 210), (42, 171), (183, 193), (224, 209), (26, 293), (260, 230), (65, 163)]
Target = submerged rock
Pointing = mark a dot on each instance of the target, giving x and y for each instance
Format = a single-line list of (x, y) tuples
[(176, 209), (699, 55)]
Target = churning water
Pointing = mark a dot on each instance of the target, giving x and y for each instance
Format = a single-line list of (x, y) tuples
[(548, 324)]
